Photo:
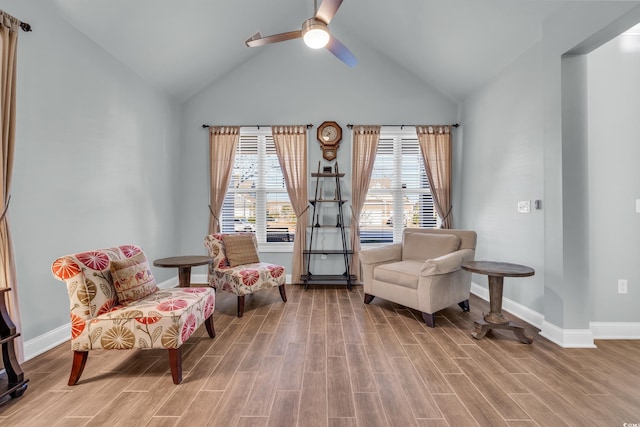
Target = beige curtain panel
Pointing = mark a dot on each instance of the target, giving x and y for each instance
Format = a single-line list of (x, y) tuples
[(291, 147), (435, 144), (223, 142), (365, 144), (9, 27)]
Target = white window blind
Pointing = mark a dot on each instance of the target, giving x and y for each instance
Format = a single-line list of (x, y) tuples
[(399, 195), (257, 198)]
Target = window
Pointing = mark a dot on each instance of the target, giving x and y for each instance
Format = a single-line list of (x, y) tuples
[(257, 199), (399, 195)]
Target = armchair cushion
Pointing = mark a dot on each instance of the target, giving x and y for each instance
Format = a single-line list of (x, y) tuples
[(246, 279), (423, 246), (132, 278), (403, 273), (241, 249), (164, 319)]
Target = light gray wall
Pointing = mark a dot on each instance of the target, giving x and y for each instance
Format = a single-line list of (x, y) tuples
[(288, 83), (575, 191), (518, 145), (614, 178), (96, 161), (581, 26), (502, 164)]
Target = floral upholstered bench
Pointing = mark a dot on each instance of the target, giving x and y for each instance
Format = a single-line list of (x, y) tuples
[(116, 304), (236, 267)]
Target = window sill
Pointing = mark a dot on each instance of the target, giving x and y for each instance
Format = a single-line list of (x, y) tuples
[(275, 247)]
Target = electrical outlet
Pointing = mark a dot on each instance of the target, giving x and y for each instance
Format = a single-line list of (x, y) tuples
[(622, 286)]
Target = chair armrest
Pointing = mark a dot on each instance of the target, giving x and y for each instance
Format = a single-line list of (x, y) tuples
[(446, 263), (381, 254)]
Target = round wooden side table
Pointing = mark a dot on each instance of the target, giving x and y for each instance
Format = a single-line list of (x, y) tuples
[(497, 271), (183, 264)]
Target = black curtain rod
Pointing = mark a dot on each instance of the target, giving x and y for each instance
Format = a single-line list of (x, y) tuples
[(455, 125), (25, 26), (309, 126)]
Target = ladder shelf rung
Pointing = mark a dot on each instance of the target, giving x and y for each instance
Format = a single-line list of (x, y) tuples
[(326, 175)]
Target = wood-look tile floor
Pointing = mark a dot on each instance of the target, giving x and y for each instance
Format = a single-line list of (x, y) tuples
[(326, 359)]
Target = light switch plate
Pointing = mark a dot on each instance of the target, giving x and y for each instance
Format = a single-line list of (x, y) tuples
[(637, 205), (622, 286), (524, 206)]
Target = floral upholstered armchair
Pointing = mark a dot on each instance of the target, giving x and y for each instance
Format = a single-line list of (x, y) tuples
[(116, 304), (236, 267)]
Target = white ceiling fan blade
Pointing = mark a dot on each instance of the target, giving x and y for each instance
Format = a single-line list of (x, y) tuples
[(327, 10), (341, 51), (258, 40)]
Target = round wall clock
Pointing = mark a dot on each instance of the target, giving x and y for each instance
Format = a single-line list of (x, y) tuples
[(329, 137)]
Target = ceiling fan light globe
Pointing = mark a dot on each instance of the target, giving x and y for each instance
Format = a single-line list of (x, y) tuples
[(316, 38), (315, 34)]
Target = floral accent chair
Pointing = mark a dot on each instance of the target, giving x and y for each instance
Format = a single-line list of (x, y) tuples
[(105, 315), (243, 276)]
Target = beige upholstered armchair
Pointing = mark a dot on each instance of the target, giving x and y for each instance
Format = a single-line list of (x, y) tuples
[(423, 272)]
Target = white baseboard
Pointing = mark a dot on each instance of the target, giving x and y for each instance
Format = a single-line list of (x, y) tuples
[(567, 338), (525, 313), (173, 282), (615, 330), (45, 342)]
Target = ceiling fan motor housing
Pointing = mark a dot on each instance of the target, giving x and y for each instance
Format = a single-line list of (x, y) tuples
[(315, 33)]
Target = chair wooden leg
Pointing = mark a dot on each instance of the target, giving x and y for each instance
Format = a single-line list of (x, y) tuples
[(464, 305), (368, 298), (208, 323), (240, 305), (429, 319), (175, 362), (79, 360), (283, 294)]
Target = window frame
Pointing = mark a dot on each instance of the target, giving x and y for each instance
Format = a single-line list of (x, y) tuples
[(398, 134), (263, 136)]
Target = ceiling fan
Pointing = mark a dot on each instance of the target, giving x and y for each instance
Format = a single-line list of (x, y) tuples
[(314, 32)]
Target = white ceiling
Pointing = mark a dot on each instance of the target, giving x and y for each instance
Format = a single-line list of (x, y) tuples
[(182, 46)]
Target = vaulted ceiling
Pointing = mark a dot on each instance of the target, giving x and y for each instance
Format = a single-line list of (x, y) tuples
[(182, 46)]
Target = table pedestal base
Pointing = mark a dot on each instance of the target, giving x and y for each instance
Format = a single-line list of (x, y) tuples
[(184, 277), (482, 327)]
